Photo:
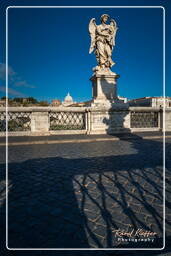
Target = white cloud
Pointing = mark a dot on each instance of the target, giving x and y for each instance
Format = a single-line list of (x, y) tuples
[(14, 79), (11, 73), (23, 83), (12, 92)]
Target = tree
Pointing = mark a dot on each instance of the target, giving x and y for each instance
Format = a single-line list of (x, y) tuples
[(19, 100), (3, 98), (43, 103), (32, 100)]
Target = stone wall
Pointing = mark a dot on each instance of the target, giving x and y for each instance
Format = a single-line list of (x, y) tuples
[(168, 119), (82, 120), (104, 121)]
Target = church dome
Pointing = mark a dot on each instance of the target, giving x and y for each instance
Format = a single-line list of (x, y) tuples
[(68, 98)]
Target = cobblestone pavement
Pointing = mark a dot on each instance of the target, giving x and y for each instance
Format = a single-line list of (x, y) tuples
[(78, 195)]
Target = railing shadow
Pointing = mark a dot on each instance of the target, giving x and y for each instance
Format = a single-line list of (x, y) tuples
[(79, 203)]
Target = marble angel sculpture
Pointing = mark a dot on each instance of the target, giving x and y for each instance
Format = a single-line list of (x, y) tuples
[(102, 42)]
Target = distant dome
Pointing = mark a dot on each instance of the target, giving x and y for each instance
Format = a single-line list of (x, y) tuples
[(68, 98)]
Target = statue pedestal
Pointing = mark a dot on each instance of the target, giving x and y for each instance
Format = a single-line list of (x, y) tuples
[(104, 89), (109, 114)]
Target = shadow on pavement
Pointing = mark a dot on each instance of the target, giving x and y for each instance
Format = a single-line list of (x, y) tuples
[(79, 203)]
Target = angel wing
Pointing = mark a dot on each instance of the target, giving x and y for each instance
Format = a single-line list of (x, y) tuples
[(115, 28), (92, 31)]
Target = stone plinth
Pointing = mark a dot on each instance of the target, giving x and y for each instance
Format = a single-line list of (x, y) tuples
[(104, 89), (109, 120), (39, 122), (109, 114), (167, 119)]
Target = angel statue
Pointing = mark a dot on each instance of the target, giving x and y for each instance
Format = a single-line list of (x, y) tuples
[(102, 42)]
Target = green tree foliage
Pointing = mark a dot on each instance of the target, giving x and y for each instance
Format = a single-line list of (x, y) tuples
[(43, 103), (3, 98)]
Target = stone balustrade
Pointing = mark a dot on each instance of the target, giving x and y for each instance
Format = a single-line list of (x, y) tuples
[(82, 120)]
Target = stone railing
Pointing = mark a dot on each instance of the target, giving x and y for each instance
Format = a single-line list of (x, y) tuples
[(17, 121), (145, 118), (43, 120), (69, 120)]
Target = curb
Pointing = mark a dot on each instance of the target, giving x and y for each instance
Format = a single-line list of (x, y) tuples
[(78, 140)]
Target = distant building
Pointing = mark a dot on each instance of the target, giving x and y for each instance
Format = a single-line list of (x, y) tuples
[(2, 103), (82, 104), (68, 101), (151, 102), (24, 100), (125, 100), (56, 103)]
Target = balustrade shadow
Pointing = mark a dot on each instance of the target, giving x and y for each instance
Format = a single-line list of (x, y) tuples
[(59, 202), (127, 135)]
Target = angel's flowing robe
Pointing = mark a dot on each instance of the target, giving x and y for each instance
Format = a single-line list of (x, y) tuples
[(104, 45)]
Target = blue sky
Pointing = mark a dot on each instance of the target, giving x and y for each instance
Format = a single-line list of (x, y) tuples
[(48, 50)]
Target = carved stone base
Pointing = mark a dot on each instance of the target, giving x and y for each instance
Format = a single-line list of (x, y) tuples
[(109, 114), (105, 121), (104, 89)]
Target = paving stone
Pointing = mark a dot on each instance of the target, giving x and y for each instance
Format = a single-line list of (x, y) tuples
[(74, 195)]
